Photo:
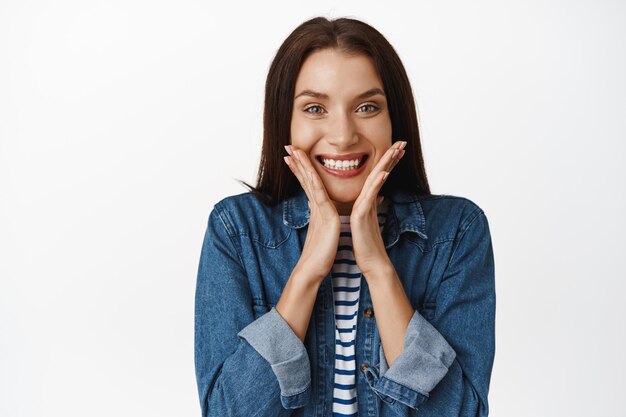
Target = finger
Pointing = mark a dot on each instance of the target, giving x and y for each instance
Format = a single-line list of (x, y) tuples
[(384, 164), (291, 163), (390, 156), (396, 160), (396, 155), (299, 170), (318, 191), (370, 194), (379, 175)]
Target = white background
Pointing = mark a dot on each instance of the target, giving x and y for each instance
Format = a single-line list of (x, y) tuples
[(123, 122)]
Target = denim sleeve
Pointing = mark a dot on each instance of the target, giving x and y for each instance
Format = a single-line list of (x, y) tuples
[(445, 367), (244, 366)]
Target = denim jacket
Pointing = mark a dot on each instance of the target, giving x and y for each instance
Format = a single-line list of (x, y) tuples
[(249, 362)]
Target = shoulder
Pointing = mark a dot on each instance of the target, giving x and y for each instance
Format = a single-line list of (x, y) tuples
[(448, 216), (244, 215)]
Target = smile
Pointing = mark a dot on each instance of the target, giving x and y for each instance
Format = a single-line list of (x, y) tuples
[(342, 167)]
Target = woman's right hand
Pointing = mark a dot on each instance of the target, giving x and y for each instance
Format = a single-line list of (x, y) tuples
[(322, 239)]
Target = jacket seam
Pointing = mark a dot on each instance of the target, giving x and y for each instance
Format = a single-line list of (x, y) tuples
[(238, 233), (433, 246), (418, 390), (253, 239), (230, 237), (470, 223)]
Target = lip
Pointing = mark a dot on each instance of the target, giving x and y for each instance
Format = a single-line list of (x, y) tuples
[(348, 173)]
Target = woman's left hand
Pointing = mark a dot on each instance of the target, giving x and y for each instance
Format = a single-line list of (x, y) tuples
[(367, 242)]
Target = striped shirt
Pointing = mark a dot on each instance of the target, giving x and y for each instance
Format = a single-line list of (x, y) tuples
[(346, 280)]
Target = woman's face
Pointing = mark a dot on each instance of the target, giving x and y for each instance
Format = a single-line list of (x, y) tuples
[(340, 120)]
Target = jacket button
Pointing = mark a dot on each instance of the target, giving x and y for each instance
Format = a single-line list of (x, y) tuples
[(368, 312), (363, 367)]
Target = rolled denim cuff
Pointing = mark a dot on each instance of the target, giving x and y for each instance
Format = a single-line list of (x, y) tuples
[(275, 341), (419, 368)]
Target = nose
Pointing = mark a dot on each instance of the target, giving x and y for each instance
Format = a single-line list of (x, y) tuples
[(342, 132)]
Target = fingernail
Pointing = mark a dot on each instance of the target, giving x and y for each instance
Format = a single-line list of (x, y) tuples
[(286, 158), (288, 149), (403, 144), (385, 176)]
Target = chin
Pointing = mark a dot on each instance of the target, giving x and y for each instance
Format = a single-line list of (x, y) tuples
[(341, 196)]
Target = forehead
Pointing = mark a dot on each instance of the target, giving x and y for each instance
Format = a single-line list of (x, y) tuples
[(334, 72)]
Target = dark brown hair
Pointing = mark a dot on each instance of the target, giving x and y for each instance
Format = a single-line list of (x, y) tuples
[(275, 181)]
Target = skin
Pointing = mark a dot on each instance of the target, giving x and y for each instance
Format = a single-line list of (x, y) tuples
[(342, 123), (339, 124)]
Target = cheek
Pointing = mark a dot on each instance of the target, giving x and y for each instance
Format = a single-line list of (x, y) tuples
[(304, 135), (382, 140), (380, 132)]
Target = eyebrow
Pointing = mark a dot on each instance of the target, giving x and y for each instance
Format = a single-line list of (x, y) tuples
[(369, 93)]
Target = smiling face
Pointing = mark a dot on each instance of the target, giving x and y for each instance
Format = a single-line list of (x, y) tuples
[(340, 113)]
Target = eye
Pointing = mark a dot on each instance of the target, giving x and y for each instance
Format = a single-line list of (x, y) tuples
[(373, 106), (313, 107)]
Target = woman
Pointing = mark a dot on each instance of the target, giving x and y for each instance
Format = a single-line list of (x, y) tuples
[(340, 285)]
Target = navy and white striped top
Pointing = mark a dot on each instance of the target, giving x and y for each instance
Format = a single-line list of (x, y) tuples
[(346, 280)]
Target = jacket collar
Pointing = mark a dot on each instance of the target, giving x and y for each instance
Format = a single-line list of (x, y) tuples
[(405, 215)]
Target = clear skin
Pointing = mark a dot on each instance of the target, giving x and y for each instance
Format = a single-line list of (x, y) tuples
[(339, 124), (343, 123)]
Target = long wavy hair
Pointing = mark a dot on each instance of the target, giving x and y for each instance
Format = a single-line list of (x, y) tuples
[(275, 181)]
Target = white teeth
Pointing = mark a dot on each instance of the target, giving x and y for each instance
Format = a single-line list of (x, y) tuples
[(341, 165)]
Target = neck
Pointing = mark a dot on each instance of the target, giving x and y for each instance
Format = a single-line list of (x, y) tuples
[(344, 209)]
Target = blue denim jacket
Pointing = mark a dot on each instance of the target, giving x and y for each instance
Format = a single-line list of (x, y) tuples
[(249, 362)]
